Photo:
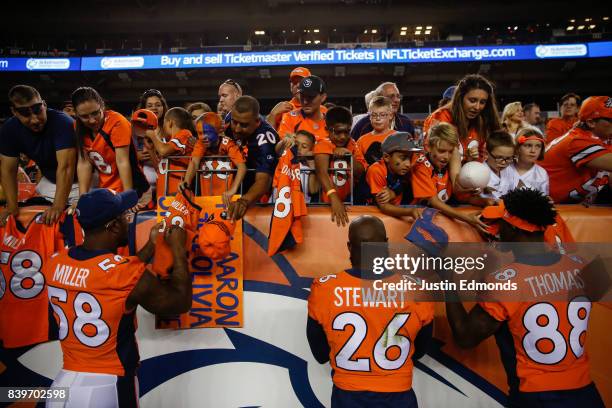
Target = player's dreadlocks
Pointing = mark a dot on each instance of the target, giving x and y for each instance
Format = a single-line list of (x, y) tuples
[(530, 205)]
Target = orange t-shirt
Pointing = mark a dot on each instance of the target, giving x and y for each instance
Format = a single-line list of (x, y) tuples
[(102, 155), (565, 162), (378, 177), (88, 292), (371, 343), (427, 181), (212, 184), (340, 179), (371, 145), (548, 337), (557, 127), (23, 293), (183, 142), (473, 138), (295, 120)]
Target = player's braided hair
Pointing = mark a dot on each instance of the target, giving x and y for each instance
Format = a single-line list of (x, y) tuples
[(531, 206)]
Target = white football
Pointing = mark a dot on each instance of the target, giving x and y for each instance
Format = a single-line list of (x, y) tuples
[(474, 175)]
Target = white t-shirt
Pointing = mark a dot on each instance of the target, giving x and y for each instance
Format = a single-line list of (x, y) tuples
[(499, 185), (535, 178)]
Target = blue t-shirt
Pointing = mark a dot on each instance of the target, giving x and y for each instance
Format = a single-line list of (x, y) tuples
[(58, 134), (261, 155)]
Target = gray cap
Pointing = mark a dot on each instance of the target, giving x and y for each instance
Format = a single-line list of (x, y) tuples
[(399, 142)]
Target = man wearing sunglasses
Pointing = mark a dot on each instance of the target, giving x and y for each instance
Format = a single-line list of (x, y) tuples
[(579, 162), (229, 91), (45, 136)]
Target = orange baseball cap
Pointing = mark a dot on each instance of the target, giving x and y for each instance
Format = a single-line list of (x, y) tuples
[(215, 236), (300, 72), (499, 212), (595, 107), (144, 118)]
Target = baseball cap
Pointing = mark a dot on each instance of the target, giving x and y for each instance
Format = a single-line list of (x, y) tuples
[(595, 107), (300, 72), (312, 86), (448, 93), (101, 205), (215, 235), (495, 212), (144, 118), (399, 142)]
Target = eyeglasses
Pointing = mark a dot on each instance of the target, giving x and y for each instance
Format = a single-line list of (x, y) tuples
[(91, 115), (27, 111), (379, 115), (339, 131), (233, 83), (501, 159)]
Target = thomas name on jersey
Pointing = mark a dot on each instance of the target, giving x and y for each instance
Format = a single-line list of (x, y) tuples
[(555, 282)]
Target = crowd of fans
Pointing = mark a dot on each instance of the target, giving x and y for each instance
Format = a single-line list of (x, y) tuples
[(373, 159)]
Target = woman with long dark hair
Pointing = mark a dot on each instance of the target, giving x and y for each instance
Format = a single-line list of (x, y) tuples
[(104, 142)]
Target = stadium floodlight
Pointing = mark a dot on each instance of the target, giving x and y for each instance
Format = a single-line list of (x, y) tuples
[(417, 32), (592, 26), (260, 32), (419, 27), (307, 42), (515, 28), (374, 31), (572, 20), (570, 28), (365, 31), (488, 28), (404, 28), (402, 33), (316, 30), (427, 32), (317, 41), (587, 19), (580, 27), (605, 18), (428, 27)]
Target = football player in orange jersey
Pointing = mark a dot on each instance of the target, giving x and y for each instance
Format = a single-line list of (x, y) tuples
[(94, 294), (550, 373), (370, 345), (579, 162)]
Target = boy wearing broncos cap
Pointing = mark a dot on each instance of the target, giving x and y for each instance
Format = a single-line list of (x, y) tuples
[(389, 178), (94, 294), (310, 116)]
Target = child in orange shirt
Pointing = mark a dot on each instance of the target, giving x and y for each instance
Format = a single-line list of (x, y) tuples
[(211, 144), (431, 184), (387, 178), (338, 121), (178, 139), (381, 116)]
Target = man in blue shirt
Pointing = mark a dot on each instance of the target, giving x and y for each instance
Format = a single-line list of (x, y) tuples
[(401, 122), (249, 129), (45, 136)]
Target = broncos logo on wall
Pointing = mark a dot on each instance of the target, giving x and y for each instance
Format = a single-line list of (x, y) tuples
[(266, 363)]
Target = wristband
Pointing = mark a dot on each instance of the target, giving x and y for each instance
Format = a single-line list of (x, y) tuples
[(330, 191)]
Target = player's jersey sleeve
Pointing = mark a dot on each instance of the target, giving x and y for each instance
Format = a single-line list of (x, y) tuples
[(230, 149), (555, 128), (316, 301), (584, 147), (199, 150), (425, 311), (126, 274), (120, 130), (423, 185), (376, 178)]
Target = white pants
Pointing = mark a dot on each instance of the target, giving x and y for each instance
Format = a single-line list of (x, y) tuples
[(46, 189), (91, 390)]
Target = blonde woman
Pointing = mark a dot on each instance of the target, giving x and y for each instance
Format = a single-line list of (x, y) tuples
[(513, 118)]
